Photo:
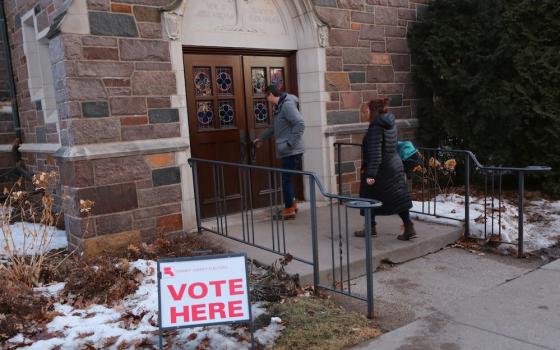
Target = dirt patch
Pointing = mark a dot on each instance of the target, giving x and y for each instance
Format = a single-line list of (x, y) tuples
[(318, 323)]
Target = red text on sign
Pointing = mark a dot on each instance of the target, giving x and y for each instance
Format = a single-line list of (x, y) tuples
[(199, 290), (211, 311)]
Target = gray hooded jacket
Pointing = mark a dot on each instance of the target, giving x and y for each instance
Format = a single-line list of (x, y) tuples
[(287, 127)]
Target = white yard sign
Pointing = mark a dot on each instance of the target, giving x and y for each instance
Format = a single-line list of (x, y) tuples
[(203, 291)]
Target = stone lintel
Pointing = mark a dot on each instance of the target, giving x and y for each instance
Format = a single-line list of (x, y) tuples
[(356, 128), (121, 149)]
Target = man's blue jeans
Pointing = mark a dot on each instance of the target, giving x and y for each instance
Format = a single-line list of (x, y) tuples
[(290, 163)]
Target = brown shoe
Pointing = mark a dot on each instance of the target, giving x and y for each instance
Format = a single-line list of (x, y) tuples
[(285, 214), (362, 232), (294, 206), (408, 234)]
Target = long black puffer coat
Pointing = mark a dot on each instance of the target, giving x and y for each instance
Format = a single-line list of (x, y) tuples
[(381, 162)]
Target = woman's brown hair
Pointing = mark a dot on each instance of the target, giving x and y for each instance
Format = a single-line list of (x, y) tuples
[(379, 105)]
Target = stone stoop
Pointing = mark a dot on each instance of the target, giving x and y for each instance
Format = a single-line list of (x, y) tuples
[(431, 238)]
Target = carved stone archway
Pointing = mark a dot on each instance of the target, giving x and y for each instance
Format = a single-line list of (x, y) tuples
[(297, 17), (283, 25)]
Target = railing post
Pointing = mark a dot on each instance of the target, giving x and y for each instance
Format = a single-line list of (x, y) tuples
[(369, 267), (467, 194), (314, 237), (194, 166), (338, 170), (521, 208)]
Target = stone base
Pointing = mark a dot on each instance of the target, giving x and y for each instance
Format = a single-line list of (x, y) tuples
[(110, 243)]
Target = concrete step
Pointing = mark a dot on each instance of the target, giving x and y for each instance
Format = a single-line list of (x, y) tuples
[(294, 237)]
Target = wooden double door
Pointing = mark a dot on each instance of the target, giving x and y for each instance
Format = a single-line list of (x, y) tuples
[(227, 110)]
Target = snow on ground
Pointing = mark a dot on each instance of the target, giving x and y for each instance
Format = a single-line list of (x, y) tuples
[(24, 238), (51, 290), (541, 220), (133, 322)]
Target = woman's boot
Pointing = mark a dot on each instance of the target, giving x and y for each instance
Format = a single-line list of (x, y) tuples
[(409, 232), (362, 232)]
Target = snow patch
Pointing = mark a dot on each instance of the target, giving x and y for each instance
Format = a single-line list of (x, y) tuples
[(541, 220), (19, 238), (269, 334), (50, 290)]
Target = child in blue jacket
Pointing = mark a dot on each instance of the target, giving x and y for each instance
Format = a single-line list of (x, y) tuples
[(410, 157)]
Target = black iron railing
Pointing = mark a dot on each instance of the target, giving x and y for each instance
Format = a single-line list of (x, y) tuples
[(235, 201), (440, 168)]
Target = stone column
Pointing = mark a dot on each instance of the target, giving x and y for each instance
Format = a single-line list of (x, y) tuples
[(120, 133)]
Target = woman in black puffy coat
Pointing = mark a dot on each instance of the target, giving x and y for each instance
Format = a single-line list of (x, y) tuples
[(382, 174)]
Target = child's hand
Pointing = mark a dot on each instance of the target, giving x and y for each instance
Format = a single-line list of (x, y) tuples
[(370, 181)]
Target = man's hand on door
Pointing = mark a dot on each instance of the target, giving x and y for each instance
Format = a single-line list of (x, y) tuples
[(257, 142)]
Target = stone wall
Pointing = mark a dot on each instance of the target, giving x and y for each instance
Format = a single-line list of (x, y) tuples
[(113, 83), (368, 56), (135, 197)]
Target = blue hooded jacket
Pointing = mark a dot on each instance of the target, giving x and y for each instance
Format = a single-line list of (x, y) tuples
[(406, 149)]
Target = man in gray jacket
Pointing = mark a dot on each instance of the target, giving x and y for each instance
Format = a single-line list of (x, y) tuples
[(287, 127)]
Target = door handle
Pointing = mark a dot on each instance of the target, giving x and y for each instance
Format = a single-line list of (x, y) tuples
[(253, 146), (243, 146)]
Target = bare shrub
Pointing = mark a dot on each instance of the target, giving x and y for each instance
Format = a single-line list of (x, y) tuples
[(27, 245)]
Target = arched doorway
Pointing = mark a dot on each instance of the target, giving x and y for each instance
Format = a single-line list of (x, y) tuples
[(243, 41)]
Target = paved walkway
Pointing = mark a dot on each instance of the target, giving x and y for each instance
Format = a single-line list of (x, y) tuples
[(522, 313), (297, 238)]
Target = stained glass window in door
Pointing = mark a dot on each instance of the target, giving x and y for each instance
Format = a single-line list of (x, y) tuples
[(277, 78), (202, 81), (204, 114), (226, 110), (260, 108), (224, 80), (258, 79)]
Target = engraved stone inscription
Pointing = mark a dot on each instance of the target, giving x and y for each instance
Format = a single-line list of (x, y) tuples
[(249, 16)]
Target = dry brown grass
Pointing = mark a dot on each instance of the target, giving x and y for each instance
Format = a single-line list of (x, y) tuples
[(315, 323)]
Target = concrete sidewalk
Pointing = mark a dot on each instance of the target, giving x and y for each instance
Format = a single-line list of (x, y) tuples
[(297, 241), (518, 314)]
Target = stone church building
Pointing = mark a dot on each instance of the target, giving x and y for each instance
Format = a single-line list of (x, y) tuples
[(116, 95)]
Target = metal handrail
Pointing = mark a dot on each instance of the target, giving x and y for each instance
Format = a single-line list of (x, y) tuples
[(530, 168), (494, 171), (318, 181), (278, 233)]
